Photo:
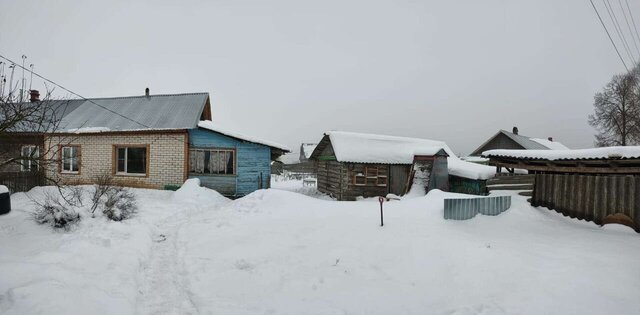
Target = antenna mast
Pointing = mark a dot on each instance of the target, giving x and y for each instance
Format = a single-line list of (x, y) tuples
[(31, 79), (24, 57), (13, 69)]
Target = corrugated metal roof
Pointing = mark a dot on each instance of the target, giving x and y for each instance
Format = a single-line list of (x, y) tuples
[(524, 141), (171, 111)]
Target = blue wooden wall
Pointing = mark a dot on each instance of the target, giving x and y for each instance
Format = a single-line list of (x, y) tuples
[(253, 162)]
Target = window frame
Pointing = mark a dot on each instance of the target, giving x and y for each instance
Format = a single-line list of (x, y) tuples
[(78, 149), (30, 160), (370, 173), (215, 149), (114, 160)]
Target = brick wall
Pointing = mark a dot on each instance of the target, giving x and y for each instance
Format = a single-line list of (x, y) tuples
[(166, 158)]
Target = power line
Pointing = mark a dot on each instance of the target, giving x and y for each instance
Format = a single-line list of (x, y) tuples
[(632, 20), (76, 94), (618, 29), (89, 100), (635, 43), (609, 35)]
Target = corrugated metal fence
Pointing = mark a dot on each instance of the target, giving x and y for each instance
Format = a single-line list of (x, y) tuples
[(467, 208), (589, 197)]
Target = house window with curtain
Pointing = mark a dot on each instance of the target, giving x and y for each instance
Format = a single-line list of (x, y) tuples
[(212, 161), (29, 155), (131, 160), (70, 162)]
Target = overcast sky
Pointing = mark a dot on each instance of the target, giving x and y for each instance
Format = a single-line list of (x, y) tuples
[(287, 71)]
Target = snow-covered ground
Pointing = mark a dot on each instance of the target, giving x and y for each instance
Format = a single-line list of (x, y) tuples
[(282, 252)]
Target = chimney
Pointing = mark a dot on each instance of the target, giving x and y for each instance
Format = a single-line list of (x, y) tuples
[(146, 92), (34, 96), (515, 130), (550, 139)]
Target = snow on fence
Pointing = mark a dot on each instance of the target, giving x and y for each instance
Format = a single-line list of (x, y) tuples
[(589, 197), (467, 208)]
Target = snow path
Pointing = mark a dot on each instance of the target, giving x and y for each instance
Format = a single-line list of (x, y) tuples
[(163, 288)]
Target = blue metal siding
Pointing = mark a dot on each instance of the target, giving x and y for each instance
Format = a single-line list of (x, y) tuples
[(467, 208), (253, 162)]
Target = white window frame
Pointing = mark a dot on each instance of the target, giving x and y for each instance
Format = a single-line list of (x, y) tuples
[(31, 156), (71, 159)]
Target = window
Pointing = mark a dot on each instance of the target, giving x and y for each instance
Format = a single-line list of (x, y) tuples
[(70, 160), (370, 177), (29, 155), (212, 161), (131, 160)]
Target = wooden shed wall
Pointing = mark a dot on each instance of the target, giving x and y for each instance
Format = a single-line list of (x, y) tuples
[(589, 197), (331, 178), (253, 160), (336, 179)]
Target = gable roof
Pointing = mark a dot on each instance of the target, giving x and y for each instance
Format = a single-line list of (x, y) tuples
[(307, 148), (209, 125), (382, 149), (527, 143), (153, 112), (372, 148)]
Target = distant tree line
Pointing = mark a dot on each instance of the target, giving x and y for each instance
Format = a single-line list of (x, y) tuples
[(616, 114)]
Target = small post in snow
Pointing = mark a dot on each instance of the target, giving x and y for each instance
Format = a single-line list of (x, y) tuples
[(381, 200)]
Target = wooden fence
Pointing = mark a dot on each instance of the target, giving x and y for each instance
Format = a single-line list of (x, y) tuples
[(467, 208), (21, 181), (589, 197)]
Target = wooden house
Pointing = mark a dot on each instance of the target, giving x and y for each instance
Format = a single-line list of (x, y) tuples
[(154, 141), (600, 185), (514, 141), (351, 165), (231, 163)]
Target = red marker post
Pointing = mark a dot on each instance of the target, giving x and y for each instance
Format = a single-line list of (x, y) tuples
[(381, 200)]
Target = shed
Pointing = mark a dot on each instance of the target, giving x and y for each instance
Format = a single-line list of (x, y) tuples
[(592, 184), (229, 162), (351, 164)]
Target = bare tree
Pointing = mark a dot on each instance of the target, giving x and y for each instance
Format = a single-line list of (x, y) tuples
[(616, 114), (25, 123)]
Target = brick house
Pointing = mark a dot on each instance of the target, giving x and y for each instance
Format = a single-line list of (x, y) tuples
[(144, 141)]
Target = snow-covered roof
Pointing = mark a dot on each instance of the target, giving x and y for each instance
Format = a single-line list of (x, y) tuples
[(524, 141), (372, 148), (579, 154), (552, 145), (384, 149), (209, 125), (307, 149), (474, 159)]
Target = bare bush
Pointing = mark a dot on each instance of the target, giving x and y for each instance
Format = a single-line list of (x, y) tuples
[(103, 183), (120, 204), (117, 203), (55, 211)]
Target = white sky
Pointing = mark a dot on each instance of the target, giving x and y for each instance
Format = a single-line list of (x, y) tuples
[(287, 71)]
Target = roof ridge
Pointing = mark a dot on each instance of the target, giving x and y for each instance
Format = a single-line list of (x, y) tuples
[(134, 96)]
